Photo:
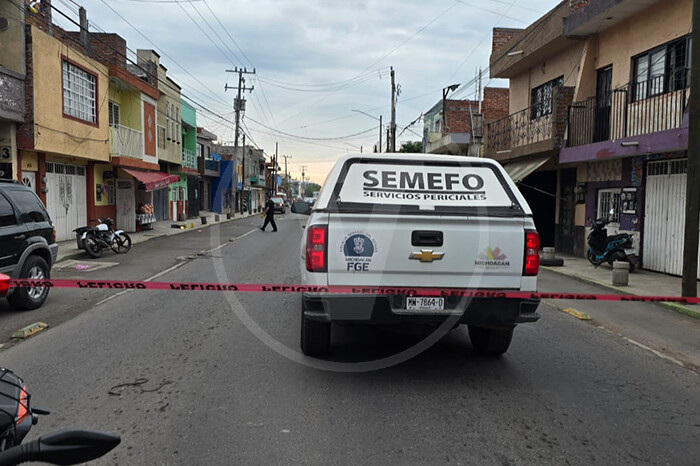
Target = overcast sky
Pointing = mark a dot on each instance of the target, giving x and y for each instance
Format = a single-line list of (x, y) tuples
[(316, 61)]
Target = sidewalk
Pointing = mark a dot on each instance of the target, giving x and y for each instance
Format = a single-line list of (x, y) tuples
[(69, 249), (641, 282)]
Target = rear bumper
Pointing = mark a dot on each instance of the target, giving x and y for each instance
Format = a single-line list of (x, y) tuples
[(53, 248), (390, 310)]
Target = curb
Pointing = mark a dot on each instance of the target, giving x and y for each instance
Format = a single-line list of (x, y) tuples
[(80, 253), (675, 307)]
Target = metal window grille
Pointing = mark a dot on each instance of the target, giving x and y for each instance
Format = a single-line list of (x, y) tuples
[(80, 171), (678, 167), (61, 169), (79, 99), (70, 170), (609, 199), (114, 114), (49, 167)]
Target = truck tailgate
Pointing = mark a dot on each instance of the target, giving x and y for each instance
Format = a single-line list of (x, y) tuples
[(425, 251)]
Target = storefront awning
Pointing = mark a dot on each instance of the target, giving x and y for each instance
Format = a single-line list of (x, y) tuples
[(152, 180), (518, 171)]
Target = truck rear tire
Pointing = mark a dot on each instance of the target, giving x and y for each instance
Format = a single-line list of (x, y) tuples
[(490, 342), (315, 336)]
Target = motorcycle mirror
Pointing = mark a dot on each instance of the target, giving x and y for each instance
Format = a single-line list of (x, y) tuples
[(612, 212), (62, 448)]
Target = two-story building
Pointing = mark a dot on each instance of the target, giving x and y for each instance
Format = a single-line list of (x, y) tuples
[(541, 66), (208, 163), (456, 127), (12, 96), (66, 127), (127, 183), (628, 125), (169, 134), (598, 100), (185, 193)]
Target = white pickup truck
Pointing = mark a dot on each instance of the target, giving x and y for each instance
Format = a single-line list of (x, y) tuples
[(418, 220)]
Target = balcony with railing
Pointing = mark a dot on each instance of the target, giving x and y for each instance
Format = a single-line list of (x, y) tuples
[(534, 130), (125, 141), (627, 112), (189, 158)]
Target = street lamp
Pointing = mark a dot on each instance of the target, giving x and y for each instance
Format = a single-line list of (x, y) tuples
[(445, 91), (380, 125)]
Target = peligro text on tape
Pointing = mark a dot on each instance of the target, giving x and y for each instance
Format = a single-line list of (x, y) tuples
[(334, 289)]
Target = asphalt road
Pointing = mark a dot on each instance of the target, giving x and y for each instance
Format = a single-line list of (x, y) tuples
[(226, 384)]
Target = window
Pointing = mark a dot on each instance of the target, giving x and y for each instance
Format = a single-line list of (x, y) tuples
[(663, 69), (161, 137), (79, 93), (541, 98), (30, 207), (7, 213), (200, 150), (609, 199), (114, 111)]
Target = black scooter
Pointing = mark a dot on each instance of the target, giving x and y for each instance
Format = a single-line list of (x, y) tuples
[(604, 248)]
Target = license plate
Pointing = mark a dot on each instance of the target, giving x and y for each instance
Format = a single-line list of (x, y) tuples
[(631, 252), (425, 304)]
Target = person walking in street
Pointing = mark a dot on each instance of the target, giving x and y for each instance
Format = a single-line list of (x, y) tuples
[(269, 214)]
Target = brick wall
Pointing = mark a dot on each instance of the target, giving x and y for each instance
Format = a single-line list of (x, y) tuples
[(574, 5), (458, 115), (563, 98), (501, 36), (25, 132), (496, 103)]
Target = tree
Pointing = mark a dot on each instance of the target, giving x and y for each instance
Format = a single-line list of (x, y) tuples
[(311, 188), (412, 146)]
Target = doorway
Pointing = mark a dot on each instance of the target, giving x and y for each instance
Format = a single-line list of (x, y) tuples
[(603, 106)]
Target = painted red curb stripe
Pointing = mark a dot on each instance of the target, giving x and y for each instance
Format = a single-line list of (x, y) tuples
[(286, 288)]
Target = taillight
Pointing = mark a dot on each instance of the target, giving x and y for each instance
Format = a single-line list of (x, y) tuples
[(23, 406), (532, 253), (4, 285), (316, 241), (54, 234)]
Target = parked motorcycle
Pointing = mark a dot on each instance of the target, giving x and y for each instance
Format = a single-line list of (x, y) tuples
[(604, 248), (94, 238), (17, 417)]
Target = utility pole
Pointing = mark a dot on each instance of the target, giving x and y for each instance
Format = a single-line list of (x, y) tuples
[(302, 192), (286, 174), (274, 171), (692, 208), (392, 144), (380, 133), (239, 107), (242, 174)]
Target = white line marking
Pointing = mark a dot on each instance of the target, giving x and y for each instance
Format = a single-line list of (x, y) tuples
[(174, 267), (656, 352)]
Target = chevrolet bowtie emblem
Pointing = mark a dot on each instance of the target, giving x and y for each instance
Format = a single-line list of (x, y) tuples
[(427, 255)]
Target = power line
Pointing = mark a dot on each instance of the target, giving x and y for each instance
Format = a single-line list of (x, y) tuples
[(161, 51), (336, 138)]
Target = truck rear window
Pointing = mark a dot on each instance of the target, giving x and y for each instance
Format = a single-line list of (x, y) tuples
[(428, 187)]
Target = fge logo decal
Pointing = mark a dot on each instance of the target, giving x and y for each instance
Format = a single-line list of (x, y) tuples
[(358, 250), (493, 258)]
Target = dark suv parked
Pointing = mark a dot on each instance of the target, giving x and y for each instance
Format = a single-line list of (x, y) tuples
[(28, 246)]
